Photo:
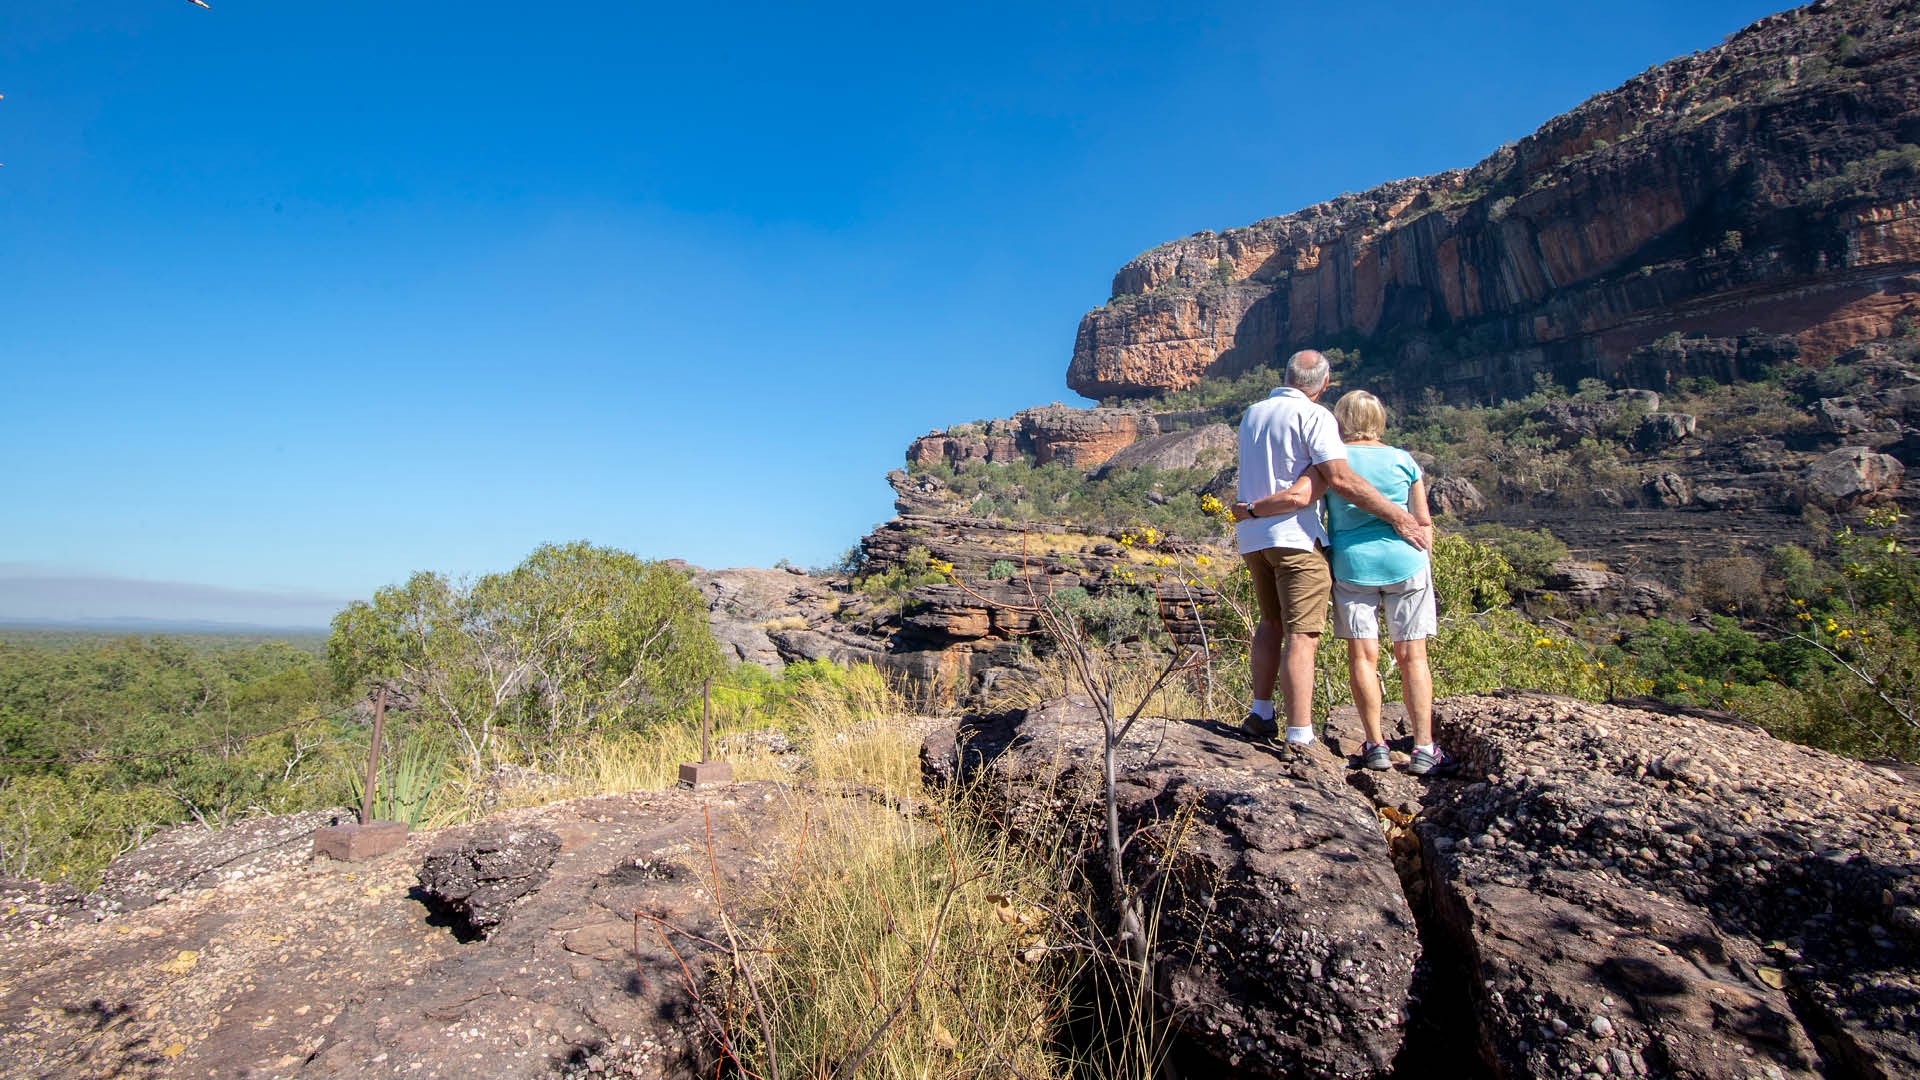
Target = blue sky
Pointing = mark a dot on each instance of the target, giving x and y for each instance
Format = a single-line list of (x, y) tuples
[(298, 298)]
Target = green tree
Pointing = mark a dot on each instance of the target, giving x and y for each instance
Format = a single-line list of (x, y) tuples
[(575, 639)]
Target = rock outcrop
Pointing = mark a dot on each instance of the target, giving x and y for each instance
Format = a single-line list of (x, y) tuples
[(1851, 474), (313, 968), (1675, 895), (1285, 946), (1771, 182), (1080, 438), (1601, 890), (475, 875), (772, 618), (1208, 446)]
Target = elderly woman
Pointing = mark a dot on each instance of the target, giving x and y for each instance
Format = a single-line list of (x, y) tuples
[(1374, 570)]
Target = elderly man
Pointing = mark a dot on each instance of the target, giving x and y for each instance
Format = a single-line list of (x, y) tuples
[(1287, 442)]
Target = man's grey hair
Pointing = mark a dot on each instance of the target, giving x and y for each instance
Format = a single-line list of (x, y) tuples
[(1307, 370)]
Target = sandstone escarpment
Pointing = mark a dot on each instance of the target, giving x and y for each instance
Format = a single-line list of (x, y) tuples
[(1771, 183)]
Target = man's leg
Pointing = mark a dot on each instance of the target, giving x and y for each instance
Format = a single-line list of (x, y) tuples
[(1265, 658), (1304, 584), (1363, 675), (1263, 654), (1296, 681)]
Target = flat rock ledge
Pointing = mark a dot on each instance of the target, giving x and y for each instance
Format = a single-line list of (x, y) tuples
[(189, 858), (1285, 945), (1640, 894)]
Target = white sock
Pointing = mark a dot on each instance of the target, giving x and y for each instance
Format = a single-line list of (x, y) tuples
[(1263, 708), (1428, 747), (1299, 735)]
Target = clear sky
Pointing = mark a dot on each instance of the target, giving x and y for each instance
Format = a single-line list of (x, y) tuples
[(297, 298)]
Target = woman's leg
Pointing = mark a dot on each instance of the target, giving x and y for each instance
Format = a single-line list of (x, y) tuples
[(1416, 688), (1363, 675)]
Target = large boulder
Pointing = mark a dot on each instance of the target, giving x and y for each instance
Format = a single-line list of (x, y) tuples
[(476, 875), (1571, 421), (1843, 416), (1210, 446), (745, 606), (1285, 946), (1852, 474), (1675, 895), (1454, 496), (1659, 430), (1668, 489)]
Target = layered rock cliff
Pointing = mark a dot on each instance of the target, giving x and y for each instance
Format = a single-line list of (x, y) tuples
[(1771, 183)]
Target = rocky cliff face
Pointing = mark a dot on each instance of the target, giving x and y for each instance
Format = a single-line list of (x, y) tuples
[(1770, 183)]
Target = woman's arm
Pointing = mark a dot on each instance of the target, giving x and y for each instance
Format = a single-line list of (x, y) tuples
[(1298, 497), (1417, 504)]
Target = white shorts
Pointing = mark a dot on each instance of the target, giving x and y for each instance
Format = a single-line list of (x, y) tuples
[(1409, 604)]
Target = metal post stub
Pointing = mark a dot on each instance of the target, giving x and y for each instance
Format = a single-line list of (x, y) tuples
[(358, 843), (699, 774)]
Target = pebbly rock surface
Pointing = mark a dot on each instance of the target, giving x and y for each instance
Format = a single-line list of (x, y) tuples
[(476, 874), (1643, 894), (326, 969), (1285, 945), (193, 857)]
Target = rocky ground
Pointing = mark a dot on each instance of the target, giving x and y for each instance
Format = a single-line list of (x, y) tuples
[(290, 965), (1598, 891)]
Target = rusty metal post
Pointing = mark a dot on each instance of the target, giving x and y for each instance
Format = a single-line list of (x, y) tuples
[(706, 720), (373, 754), (706, 772)]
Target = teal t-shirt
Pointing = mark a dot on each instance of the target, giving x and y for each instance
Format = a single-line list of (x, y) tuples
[(1366, 550)]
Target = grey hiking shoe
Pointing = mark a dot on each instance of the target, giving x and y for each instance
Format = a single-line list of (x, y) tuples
[(1259, 726), (1374, 755), (1430, 762)]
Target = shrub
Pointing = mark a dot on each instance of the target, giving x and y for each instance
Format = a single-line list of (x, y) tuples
[(1529, 554), (1736, 584)]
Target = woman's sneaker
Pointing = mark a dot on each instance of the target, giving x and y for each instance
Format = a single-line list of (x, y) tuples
[(1428, 762), (1374, 755)]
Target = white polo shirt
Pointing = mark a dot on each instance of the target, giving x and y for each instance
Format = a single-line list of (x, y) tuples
[(1279, 438)]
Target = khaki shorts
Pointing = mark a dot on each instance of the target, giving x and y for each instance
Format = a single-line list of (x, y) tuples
[(1409, 604), (1293, 586)]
